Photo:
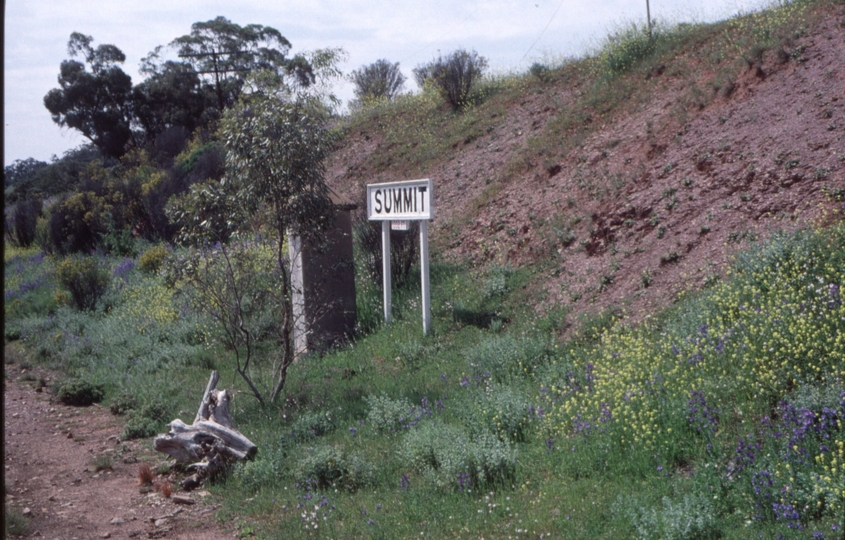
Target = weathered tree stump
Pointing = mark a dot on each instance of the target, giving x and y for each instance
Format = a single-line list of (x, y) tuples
[(209, 444)]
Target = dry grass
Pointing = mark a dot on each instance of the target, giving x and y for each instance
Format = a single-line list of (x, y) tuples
[(145, 475), (165, 488)]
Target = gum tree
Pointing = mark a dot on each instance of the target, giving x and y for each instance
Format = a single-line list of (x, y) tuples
[(276, 145)]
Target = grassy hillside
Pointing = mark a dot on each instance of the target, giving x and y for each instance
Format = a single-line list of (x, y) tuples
[(637, 311)]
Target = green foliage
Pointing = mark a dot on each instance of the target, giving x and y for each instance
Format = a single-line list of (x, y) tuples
[(238, 288), (152, 259), (505, 358), (447, 457), (453, 75), (267, 469), (403, 251), (122, 403), (504, 410), (95, 102), (211, 48), (21, 170), (79, 392), (331, 466), (310, 425), (691, 517), (24, 221), (385, 414), (377, 81), (15, 523), (139, 427), (85, 278), (628, 48), (540, 71)]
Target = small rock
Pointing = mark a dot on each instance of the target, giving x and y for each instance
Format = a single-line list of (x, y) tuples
[(69, 435), (133, 534), (51, 498), (116, 521), (27, 511), (161, 522), (181, 499), (106, 535), (130, 459)]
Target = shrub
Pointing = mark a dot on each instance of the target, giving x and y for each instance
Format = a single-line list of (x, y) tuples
[(152, 259), (504, 358), (691, 517), (541, 71), (447, 457), (85, 278), (453, 75), (403, 251), (312, 424), (331, 466), (387, 414), (139, 427), (628, 48), (25, 219), (123, 403), (79, 393), (379, 80), (78, 223), (503, 410), (16, 524)]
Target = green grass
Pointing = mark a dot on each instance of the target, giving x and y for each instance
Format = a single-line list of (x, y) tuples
[(497, 429)]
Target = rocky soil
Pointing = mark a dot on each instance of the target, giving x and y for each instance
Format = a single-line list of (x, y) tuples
[(70, 476), (659, 193)]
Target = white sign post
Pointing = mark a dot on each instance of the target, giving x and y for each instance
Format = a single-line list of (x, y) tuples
[(403, 201)]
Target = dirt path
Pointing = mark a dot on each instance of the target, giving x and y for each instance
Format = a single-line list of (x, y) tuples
[(52, 453)]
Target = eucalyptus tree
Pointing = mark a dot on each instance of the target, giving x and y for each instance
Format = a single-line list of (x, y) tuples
[(276, 145), (228, 53), (94, 96)]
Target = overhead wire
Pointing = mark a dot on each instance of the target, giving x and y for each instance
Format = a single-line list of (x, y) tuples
[(543, 32)]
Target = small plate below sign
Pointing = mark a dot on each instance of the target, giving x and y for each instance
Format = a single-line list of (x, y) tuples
[(400, 225)]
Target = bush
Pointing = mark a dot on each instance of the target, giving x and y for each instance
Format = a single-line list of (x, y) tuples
[(123, 403), (448, 458), (79, 393), (379, 80), (142, 421), (628, 48), (139, 427), (331, 466), (540, 71), (312, 424), (152, 259), (78, 223), (85, 278), (15, 523), (453, 75), (387, 414), (25, 218), (403, 251), (504, 411), (691, 517), (504, 358)]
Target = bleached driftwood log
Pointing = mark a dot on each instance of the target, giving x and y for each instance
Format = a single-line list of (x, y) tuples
[(211, 442)]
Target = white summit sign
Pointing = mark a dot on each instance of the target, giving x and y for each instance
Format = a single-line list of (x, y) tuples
[(396, 202), (400, 201)]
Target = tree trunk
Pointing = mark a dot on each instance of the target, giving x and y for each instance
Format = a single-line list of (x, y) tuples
[(211, 442)]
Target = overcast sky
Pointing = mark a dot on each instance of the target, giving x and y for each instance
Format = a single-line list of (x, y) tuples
[(511, 34)]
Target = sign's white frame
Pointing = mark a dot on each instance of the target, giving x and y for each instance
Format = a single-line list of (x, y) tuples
[(415, 199)]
